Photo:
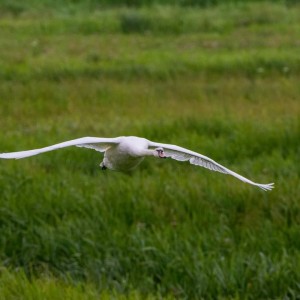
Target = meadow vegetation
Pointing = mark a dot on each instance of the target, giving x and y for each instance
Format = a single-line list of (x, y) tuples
[(222, 80)]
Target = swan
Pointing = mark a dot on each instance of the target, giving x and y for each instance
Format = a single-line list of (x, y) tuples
[(124, 153)]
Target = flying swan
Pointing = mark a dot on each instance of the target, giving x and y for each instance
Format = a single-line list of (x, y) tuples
[(127, 152)]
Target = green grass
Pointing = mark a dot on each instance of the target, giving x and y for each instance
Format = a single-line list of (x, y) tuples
[(225, 83)]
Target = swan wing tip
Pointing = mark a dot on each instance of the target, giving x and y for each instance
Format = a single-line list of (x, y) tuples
[(266, 187), (6, 155), (17, 155)]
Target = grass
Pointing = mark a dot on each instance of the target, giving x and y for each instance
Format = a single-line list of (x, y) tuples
[(225, 83)]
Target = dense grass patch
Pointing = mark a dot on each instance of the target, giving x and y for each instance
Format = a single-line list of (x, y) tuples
[(16, 8), (158, 43), (224, 82)]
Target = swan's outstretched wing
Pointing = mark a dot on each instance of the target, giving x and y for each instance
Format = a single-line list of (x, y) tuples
[(99, 144), (182, 154)]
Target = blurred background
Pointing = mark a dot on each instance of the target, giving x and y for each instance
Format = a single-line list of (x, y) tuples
[(218, 77)]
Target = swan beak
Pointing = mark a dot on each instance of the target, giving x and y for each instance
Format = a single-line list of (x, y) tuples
[(162, 155)]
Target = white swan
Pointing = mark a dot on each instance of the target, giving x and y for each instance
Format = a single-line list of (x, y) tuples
[(125, 153)]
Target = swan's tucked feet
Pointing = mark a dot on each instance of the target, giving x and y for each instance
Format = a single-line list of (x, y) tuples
[(103, 167)]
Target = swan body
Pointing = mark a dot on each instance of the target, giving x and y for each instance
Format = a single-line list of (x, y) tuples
[(126, 152), (126, 155)]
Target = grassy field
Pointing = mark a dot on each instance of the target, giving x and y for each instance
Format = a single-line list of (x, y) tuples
[(223, 81)]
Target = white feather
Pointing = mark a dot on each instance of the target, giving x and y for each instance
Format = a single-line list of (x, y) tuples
[(99, 144), (183, 154)]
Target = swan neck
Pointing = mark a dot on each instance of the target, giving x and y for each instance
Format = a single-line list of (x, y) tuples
[(148, 152)]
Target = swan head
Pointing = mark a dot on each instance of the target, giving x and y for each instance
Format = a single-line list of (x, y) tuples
[(159, 152)]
